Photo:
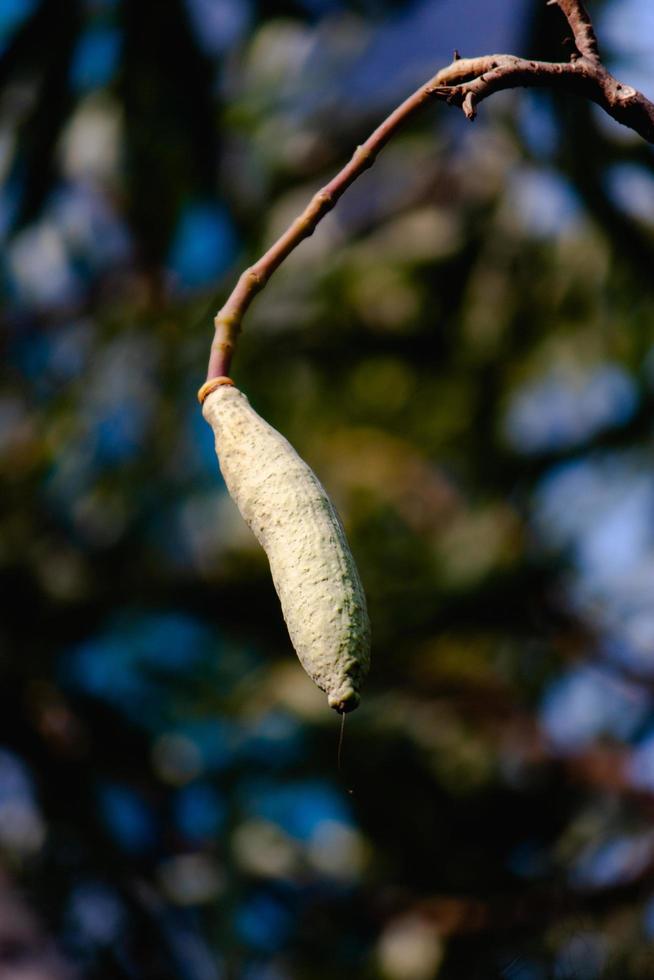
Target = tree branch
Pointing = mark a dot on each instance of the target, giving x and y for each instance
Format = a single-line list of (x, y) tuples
[(582, 27), (482, 77), (465, 83)]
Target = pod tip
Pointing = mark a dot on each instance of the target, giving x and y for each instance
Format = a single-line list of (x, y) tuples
[(342, 702)]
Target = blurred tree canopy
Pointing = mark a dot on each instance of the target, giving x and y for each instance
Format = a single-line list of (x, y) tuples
[(464, 352)]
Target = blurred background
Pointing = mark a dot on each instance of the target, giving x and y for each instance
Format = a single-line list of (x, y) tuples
[(464, 352)]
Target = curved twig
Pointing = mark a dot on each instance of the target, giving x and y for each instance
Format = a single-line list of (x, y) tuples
[(465, 83)]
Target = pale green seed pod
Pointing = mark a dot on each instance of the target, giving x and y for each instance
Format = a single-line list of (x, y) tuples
[(311, 564)]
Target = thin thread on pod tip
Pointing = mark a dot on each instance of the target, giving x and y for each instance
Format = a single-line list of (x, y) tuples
[(340, 741), (340, 747)]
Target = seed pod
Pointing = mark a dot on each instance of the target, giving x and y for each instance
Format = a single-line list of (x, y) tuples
[(294, 520)]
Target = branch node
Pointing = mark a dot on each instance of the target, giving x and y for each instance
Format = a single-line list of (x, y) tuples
[(325, 199), (627, 93), (363, 156)]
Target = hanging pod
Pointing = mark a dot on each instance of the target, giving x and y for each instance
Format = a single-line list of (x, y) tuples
[(312, 567)]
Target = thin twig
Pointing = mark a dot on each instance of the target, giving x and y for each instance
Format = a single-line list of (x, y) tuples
[(465, 83), (252, 280)]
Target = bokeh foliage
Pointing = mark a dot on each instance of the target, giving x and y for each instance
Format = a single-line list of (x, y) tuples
[(464, 353)]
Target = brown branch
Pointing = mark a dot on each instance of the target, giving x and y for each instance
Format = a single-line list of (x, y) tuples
[(465, 82), (582, 27), (481, 77)]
